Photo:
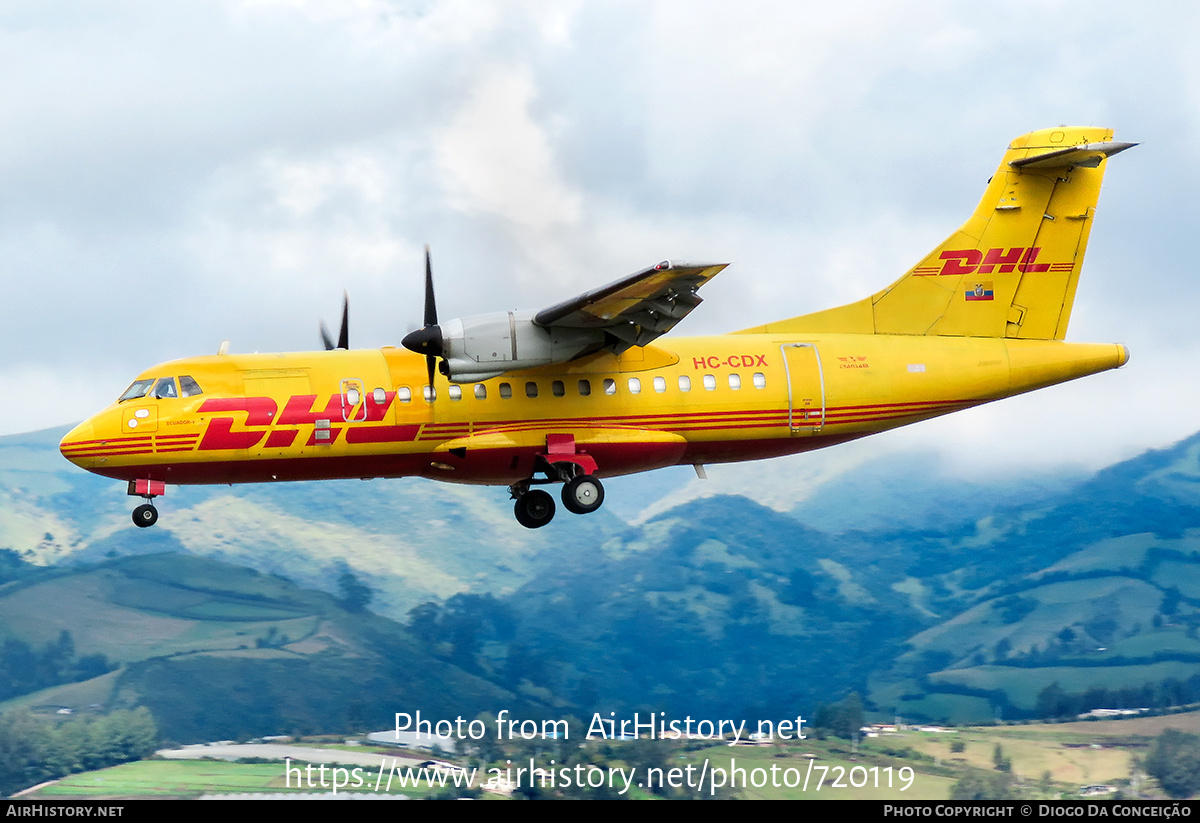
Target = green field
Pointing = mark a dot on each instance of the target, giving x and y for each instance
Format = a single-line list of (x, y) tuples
[(182, 779), (1022, 685), (1048, 761)]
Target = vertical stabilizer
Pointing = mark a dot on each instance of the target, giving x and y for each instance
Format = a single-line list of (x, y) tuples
[(1012, 268)]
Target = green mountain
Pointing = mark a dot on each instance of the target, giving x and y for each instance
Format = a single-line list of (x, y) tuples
[(1068, 601), (217, 651), (393, 534), (1017, 598)]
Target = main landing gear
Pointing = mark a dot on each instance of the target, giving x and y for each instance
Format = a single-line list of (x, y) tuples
[(562, 462), (146, 515), (534, 508)]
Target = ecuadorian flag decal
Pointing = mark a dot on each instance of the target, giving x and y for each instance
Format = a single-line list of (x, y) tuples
[(981, 291)]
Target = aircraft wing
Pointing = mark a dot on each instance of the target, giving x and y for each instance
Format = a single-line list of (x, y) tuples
[(635, 309)]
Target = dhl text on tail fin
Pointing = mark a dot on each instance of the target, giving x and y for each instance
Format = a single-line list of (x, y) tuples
[(584, 389)]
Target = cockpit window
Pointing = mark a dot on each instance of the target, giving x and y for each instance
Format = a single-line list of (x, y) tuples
[(138, 389), (165, 388), (190, 388)]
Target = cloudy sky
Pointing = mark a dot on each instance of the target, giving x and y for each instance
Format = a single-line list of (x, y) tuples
[(176, 174)]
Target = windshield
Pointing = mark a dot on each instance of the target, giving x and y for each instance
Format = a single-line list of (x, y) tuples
[(138, 389), (165, 388)]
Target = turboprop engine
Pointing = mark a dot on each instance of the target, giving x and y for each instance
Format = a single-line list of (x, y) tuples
[(488, 345), (631, 311)]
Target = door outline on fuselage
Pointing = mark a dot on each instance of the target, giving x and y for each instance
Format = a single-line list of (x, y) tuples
[(349, 413), (807, 410)]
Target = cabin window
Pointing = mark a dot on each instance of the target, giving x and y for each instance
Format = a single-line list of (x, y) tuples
[(660, 384), (429, 393), (378, 395), (610, 386), (165, 388), (585, 388), (557, 388), (505, 391), (480, 391), (138, 389), (351, 397), (189, 387), (760, 380), (735, 381), (455, 392), (635, 386), (404, 394), (531, 389), (710, 382), (685, 383)]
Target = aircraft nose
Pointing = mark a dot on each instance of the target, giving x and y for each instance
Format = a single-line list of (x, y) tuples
[(75, 444)]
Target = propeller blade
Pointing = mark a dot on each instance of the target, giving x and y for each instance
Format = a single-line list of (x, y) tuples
[(430, 303), (343, 341), (427, 340), (344, 334)]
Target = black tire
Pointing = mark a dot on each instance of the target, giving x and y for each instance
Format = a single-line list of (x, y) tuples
[(583, 494), (145, 516), (534, 509)]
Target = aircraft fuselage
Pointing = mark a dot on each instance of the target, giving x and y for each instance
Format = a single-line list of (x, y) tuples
[(582, 389), (368, 413)]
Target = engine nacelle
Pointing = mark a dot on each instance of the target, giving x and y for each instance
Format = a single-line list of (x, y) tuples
[(488, 345)]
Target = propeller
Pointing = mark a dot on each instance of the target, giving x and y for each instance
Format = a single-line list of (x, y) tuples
[(343, 341), (427, 340)]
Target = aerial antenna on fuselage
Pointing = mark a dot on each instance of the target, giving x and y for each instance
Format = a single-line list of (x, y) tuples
[(223, 348)]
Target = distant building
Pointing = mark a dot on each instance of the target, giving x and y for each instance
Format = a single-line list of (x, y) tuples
[(412, 740), (1097, 713)]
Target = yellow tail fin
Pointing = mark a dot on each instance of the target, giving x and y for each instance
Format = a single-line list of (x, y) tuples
[(1012, 268)]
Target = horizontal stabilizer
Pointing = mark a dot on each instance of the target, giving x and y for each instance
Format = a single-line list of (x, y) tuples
[(1088, 155)]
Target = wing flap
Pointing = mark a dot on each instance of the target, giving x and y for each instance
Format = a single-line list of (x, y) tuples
[(638, 308)]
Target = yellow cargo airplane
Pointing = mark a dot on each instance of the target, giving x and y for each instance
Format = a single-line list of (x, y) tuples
[(580, 390)]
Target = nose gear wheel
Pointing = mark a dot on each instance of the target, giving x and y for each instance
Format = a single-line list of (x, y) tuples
[(145, 516)]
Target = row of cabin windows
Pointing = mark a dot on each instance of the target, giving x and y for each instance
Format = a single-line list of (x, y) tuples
[(584, 387)]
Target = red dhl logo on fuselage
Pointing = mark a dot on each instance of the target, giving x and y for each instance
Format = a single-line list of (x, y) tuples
[(336, 415), (976, 261)]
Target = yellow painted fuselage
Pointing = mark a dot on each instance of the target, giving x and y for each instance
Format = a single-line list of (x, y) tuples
[(321, 415)]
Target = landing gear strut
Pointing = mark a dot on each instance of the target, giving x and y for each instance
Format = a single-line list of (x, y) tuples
[(562, 462), (146, 515)]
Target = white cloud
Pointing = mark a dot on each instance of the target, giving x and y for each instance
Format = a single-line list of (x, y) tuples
[(174, 174), (498, 160)]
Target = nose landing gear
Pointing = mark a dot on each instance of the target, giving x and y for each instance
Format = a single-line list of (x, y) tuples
[(146, 515)]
